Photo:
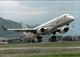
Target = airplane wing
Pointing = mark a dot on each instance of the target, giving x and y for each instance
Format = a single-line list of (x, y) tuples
[(66, 27), (21, 30)]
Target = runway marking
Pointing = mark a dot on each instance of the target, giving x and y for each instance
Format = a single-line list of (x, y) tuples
[(40, 48)]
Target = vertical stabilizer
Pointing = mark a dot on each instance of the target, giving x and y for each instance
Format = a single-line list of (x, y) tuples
[(23, 27)]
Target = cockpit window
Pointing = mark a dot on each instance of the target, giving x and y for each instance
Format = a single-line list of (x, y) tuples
[(66, 15)]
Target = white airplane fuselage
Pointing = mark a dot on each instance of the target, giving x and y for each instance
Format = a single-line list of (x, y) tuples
[(54, 24)]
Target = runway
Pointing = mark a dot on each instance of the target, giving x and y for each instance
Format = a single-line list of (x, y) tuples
[(40, 48)]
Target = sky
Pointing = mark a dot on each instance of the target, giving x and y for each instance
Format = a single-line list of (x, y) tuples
[(39, 12)]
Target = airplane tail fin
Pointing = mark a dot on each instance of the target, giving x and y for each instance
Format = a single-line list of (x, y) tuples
[(24, 27)]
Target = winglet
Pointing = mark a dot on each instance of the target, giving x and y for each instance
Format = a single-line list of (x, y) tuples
[(4, 28)]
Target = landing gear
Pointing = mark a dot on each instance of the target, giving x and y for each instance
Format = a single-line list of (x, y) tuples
[(54, 33), (39, 38), (53, 38), (67, 25), (29, 40)]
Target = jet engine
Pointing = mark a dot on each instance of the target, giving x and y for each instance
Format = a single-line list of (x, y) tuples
[(41, 31), (63, 30)]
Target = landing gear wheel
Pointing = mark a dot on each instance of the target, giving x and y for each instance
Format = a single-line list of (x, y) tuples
[(54, 33), (52, 39), (33, 41), (39, 38), (29, 40)]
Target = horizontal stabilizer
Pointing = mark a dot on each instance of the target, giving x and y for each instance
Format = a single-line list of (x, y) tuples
[(4, 28)]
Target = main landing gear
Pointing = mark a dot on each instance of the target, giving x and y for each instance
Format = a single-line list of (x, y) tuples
[(67, 25), (39, 38), (53, 38)]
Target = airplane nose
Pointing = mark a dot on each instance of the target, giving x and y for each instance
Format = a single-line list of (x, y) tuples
[(71, 18)]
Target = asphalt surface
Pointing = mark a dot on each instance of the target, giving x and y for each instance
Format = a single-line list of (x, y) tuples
[(40, 48)]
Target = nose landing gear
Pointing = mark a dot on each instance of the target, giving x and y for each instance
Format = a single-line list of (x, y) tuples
[(67, 25)]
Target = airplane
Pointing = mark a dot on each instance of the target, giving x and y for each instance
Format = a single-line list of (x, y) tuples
[(24, 34), (50, 27)]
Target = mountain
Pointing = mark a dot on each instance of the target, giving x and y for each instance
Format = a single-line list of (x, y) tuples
[(9, 24)]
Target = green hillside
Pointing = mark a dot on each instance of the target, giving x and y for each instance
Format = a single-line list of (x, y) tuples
[(11, 25), (7, 24)]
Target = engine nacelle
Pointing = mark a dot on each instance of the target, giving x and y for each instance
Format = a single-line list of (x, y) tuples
[(41, 31), (63, 30)]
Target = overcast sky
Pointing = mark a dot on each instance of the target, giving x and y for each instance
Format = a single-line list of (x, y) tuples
[(39, 12), (36, 12)]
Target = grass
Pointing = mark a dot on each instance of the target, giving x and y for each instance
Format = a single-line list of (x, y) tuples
[(40, 53), (50, 44), (74, 52), (3, 39), (62, 55)]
